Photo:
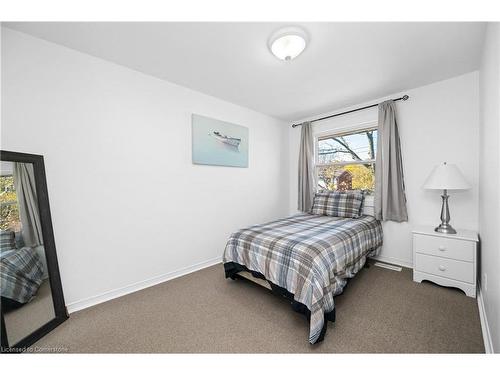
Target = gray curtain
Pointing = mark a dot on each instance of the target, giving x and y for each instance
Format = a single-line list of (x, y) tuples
[(390, 199), (307, 187), (24, 182)]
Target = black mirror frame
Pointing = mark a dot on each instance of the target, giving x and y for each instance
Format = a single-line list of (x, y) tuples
[(61, 313)]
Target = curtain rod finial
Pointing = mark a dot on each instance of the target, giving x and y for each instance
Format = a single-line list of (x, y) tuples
[(406, 97)]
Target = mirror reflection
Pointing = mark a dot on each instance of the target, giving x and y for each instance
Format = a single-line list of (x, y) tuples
[(25, 288)]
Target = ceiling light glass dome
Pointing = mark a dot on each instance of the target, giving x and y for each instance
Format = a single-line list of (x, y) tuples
[(287, 43)]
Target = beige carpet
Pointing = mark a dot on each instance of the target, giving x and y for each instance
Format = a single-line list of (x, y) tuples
[(380, 311)]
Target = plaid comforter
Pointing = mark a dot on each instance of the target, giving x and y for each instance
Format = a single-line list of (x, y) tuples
[(311, 256), (21, 272)]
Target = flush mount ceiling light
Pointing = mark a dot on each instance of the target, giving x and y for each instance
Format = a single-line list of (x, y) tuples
[(287, 43)]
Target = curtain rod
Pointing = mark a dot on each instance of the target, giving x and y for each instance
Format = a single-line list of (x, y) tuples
[(404, 97)]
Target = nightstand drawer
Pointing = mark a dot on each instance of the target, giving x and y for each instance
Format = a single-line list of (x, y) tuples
[(449, 268), (444, 247)]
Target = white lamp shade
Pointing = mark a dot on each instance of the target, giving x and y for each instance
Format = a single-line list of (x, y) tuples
[(446, 176)]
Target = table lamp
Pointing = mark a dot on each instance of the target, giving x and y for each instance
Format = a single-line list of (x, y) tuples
[(446, 177)]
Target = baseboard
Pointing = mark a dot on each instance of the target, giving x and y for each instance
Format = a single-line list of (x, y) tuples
[(391, 260), (488, 344), (119, 292), (388, 266)]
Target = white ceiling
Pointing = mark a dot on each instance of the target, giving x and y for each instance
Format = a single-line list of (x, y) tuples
[(344, 63)]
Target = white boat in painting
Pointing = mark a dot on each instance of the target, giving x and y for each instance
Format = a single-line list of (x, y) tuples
[(235, 142)]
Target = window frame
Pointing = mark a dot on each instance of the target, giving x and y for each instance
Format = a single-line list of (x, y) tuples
[(339, 132)]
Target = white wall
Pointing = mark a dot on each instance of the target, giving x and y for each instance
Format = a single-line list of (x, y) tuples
[(489, 170), (438, 123), (127, 203)]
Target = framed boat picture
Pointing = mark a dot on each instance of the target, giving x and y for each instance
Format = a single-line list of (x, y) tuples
[(218, 142)]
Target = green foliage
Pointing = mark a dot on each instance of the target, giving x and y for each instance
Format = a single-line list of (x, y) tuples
[(9, 208), (363, 177)]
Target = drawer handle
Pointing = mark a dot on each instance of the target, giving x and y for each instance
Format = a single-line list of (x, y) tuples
[(442, 268), (442, 248)]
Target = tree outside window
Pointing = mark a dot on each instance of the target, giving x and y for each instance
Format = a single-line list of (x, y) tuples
[(9, 208), (347, 161)]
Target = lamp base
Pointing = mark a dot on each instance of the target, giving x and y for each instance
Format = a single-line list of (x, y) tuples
[(445, 228)]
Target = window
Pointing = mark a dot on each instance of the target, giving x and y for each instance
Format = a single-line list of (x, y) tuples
[(346, 161), (9, 209)]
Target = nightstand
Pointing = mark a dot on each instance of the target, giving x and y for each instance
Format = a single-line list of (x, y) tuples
[(446, 259)]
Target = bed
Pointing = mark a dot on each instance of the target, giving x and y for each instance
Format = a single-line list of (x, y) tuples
[(21, 273), (307, 258)]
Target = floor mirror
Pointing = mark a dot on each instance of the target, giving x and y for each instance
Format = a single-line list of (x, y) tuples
[(32, 302)]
